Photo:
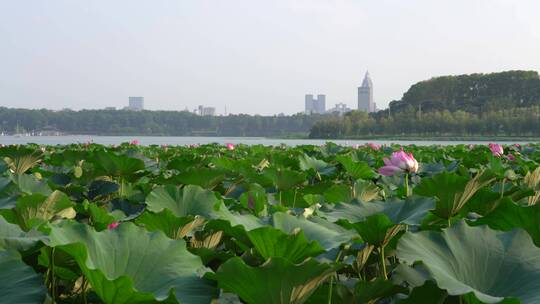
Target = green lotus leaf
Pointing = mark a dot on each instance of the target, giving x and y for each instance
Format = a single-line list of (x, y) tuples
[(20, 284), (492, 265), (338, 194), (484, 201), (376, 289), (8, 202), (356, 169), (452, 191), (19, 158), (164, 221), (194, 200), (366, 191), (410, 211), (13, 237), (508, 216), (36, 209), (130, 265), (284, 179), (4, 183), (376, 230), (428, 293), (130, 210), (254, 199), (65, 266), (29, 184), (310, 163), (247, 221), (110, 164), (190, 200), (327, 234), (277, 281), (100, 216), (270, 242), (207, 178), (99, 188), (341, 293)]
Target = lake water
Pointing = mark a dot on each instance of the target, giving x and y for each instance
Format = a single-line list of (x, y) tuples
[(159, 140)]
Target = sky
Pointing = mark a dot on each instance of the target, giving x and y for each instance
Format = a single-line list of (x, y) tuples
[(250, 56)]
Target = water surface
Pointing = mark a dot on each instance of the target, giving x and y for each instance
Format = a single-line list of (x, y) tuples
[(159, 140)]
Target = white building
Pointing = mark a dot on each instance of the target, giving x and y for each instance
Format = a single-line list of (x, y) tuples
[(315, 106), (136, 103), (206, 111), (365, 95), (339, 108)]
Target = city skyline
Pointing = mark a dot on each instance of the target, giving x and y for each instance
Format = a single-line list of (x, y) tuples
[(364, 100), (255, 57)]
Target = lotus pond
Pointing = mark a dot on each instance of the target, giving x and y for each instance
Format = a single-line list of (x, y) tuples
[(88, 223)]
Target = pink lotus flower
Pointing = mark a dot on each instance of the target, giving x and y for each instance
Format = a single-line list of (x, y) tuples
[(399, 162), (511, 157), (113, 225), (134, 142), (355, 146), (375, 147), (496, 149), (230, 146)]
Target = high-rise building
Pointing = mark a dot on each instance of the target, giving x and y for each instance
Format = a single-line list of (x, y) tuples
[(365, 95), (315, 106), (206, 111), (136, 103)]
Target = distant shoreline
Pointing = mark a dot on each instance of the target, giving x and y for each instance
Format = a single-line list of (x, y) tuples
[(305, 137), (426, 138)]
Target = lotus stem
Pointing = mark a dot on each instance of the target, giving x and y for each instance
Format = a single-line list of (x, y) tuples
[(332, 279), (407, 184), (502, 187), (383, 263), (53, 281), (330, 289)]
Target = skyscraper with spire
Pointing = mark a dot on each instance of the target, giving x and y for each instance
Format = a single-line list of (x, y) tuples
[(365, 95)]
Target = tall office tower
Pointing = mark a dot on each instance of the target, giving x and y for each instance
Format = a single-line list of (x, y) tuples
[(136, 103), (315, 105), (365, 95)]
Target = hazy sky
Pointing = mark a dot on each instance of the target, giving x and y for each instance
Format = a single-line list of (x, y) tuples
[(254, 56)]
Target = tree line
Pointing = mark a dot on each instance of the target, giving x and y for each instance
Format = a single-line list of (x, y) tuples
[(157, 123), (496, 104), (475, 93), (511, 122)]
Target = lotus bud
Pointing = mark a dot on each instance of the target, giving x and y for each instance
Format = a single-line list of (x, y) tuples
[(496, 149), (399, 162)]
